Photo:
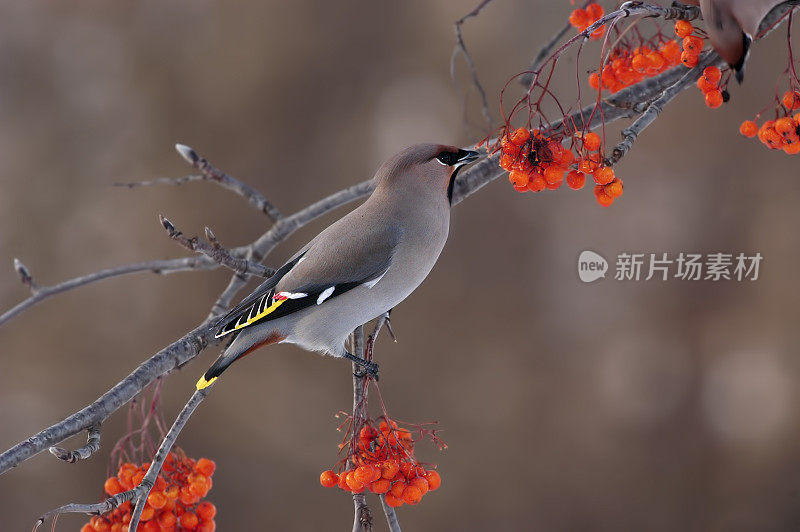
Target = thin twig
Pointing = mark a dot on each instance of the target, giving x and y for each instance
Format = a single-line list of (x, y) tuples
[(212, 173), (391, 516), (213, 250), (544, 52), (630, 134), (155, 266), (171, 357), (91, 447), (209, 172), (362, 518), (461, 48), (139, 493)]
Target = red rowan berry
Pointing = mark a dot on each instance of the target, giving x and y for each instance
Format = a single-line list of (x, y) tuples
[(189, 520), (575, 180), (579, 18), (206, 526), (157, 499), (353, 483), (519, 179), (398, 487), (148, 512), (689, 59), (714, 98), (391, 500), (785, 126), (591, 141), (412, 495), (421, 484), (434, 480), (205, 466), (712, 74), (167, 519), (553, 175), (112, 486), (328, 479), (206, 511), (380, 486), (603, 175), (594, 11), (604, 199), (705, 86), (537, 183), (693, 44), (791, 100), (614, 189), (683, 28)]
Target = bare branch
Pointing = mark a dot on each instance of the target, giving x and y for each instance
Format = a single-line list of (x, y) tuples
[(156, 266), (91, 447), (629, 135), (391, 516), (163, 181), (544, 53), (362, 519), (212, 173), (138, 494), (461, 48), (171, 357), (215, 251)]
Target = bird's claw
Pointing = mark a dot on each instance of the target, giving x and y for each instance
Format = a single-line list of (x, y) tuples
[(367, 369)]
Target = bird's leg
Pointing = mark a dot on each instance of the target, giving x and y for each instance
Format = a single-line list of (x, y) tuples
[(389, 324), (370, 368)]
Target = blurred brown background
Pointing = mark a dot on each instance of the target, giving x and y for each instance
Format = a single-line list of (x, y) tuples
[(612, 406)]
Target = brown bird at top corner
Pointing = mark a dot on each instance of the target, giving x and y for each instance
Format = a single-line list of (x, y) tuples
[(732, 25), (355, 270)]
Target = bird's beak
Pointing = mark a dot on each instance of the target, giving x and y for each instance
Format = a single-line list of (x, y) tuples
[(466, 157)]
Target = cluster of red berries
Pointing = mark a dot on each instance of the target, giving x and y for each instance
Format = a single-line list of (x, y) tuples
[(692, 44), (536, 162), (384, 463), (173, 504), (709, 86), (626, 67), (781, 134), (583, 18)]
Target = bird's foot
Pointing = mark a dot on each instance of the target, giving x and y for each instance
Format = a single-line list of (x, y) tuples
[(366, 368)]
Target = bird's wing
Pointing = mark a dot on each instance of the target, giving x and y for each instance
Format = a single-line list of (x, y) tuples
[(335, 262), (227, 323)]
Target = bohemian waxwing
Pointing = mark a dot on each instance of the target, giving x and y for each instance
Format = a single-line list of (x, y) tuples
[(355, 270), (732, 25)]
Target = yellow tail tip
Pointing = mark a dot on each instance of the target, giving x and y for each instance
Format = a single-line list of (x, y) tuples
[(203, 383)]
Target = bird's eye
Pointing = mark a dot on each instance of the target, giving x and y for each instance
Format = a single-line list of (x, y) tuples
[(447, 158)]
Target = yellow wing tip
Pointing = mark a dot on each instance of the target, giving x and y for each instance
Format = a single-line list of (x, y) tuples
[(203, 383)]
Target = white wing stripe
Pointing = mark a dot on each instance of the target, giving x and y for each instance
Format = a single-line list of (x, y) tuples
[(325, 294)]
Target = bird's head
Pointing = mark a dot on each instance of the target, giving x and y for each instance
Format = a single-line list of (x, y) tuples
[(430, 166), (725, 32)]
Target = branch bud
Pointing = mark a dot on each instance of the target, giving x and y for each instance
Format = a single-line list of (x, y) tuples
[(211, 237), (23, 272), (167, 225), (189, 155)]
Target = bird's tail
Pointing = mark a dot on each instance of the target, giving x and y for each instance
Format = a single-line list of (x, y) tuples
[(231, 355)]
